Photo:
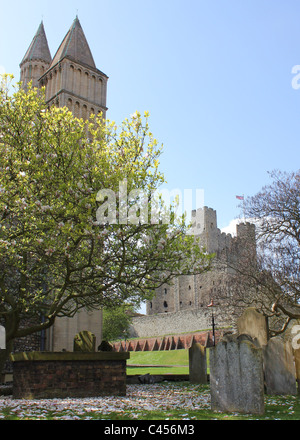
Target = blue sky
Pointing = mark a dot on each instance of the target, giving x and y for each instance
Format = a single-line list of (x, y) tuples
[(216, 77)]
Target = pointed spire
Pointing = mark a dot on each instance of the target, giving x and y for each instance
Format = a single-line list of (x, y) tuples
[(75, 46), (38, 49)]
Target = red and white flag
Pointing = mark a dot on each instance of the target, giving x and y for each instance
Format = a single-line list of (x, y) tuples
[(240, 197)]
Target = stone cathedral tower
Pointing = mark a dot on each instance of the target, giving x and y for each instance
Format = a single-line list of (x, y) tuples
[(71, 79)]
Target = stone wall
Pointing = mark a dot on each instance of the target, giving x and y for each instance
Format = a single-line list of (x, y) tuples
[(59, 375), (185, 321)]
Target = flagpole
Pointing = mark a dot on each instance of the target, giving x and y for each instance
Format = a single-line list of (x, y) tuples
[(243, 208), (211, 304)]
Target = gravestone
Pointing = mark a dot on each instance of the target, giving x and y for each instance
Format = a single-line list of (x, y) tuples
[(254, 324), (236, 376), (2, 338), (197, 363), (85, 341), (279, 367)]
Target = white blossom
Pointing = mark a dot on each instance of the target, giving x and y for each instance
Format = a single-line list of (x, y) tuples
[(49, 252)]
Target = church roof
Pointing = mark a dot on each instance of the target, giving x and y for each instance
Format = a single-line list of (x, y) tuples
[(75, 46), (38, 49)]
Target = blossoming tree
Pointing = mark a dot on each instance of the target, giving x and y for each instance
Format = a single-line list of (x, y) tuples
[(57, 254)]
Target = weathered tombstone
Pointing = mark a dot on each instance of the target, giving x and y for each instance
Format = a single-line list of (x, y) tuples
[(85, 341), (254, 324), (279, 367), (2, 338), (236, 376), (197, 363)]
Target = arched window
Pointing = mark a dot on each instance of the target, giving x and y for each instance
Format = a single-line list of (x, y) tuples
[(84, 111), (77, 110)]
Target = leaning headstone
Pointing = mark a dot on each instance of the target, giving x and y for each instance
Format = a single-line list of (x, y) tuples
[(236, 376), (85, 341), (254, 324), (279, 367), (2, 338), (197, 363)]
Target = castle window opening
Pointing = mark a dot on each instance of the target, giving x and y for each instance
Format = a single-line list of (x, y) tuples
[(165, 304), (165, 291), (189, 287)]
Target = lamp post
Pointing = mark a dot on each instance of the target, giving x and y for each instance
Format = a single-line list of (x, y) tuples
[(125, 338), (211, 304)]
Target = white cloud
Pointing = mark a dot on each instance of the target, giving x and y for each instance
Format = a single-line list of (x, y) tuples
[(231, 228)]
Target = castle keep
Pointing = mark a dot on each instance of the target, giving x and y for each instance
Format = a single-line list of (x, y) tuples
[(181, 307), (197, 291)]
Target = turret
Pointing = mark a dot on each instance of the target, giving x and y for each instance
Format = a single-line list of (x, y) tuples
[(73, 80), (36, 60)]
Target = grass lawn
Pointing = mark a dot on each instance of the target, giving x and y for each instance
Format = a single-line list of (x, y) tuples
[(157, 370), (177, 362), (169, 357), (173, 361)]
